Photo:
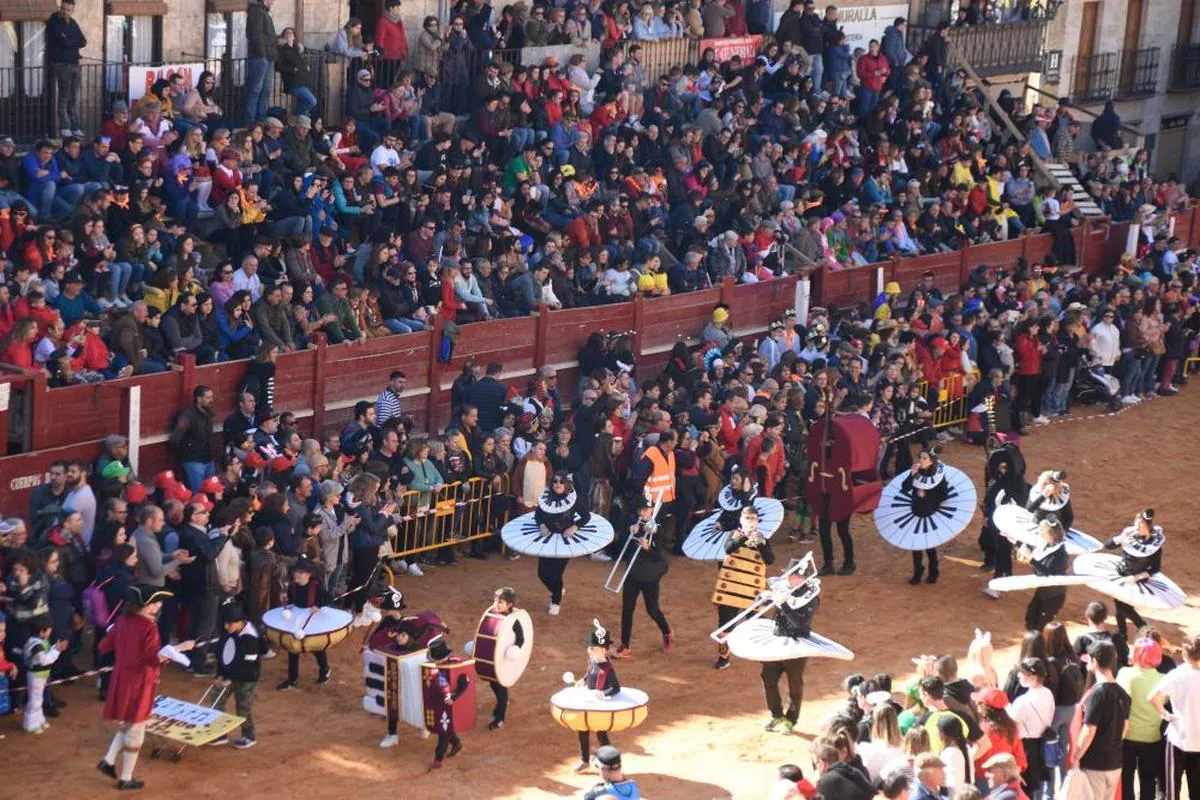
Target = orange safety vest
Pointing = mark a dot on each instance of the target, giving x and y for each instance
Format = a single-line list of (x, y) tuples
[(662, 479)]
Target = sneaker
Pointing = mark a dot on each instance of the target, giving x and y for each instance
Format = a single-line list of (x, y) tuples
[(513, 555), (944, 437), (600, 555), (1041, 420), (1168, 391), (391, 740), (435, 765), (623, 652), (786, 726), (64, 133), (992, 593), (847, 569), (553, 609), (269, 654), (668, 641), (220, 740), (245, 743), (372, 612), (828, 569), (131, 785), (285, 686), (415, 571), (455, 749), (1128, 400), (108, 769), (51, 711), (495, 725), (721, 663), (774, 723), (324, 677)]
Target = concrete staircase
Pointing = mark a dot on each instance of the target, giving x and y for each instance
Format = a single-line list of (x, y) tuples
[(1064, 176)]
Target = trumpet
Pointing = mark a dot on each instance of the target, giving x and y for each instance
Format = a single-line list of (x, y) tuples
[(634, 542), (777, 593)]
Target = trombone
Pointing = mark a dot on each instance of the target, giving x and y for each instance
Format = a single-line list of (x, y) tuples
[(635, 543), (769, 598)]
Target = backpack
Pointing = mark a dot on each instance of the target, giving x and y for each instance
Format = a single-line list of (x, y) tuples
[(95, 604)]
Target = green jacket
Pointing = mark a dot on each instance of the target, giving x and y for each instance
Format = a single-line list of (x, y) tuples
[(345, 327)]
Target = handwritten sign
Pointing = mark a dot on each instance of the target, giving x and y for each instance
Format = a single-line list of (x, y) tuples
[(188, 723)]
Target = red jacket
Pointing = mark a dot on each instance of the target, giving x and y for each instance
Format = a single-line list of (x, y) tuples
[(583, 234), (45, 315), (391, 39), (730, 435), (134, 640), (1027, 354), (20, 355), (873, 71), (225, 183), (94, 354), (774, 466)]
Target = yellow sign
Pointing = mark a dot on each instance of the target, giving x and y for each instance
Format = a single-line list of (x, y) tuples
[(188, 723)]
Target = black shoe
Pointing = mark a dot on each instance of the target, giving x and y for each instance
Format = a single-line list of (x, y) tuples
[(721, 663), (51, 711), (131, 785), (916, 577), (479, 555), (324, 677), (108, 769), (495, 725), (285, 686), (454, 748), (933, 576), (847, 569), (828, 569), (204, 672), (987, 565)]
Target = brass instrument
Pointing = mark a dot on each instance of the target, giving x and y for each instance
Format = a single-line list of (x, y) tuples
[(635, 542)]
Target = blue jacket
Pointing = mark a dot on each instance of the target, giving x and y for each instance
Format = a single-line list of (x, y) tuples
[(371, 532), (29, 168), (98, 170), (893, 48), (73, 310), (838, 58)]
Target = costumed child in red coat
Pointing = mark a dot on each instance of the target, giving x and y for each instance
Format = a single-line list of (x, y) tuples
[(439, 651), (134, 642)]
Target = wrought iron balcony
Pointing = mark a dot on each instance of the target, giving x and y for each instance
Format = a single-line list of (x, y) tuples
[(1010, 48), (1185, 68), (1120, 75)]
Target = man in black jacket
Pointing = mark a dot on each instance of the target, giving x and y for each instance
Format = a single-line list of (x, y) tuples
[(241, 420), (47, 501), (813, 41), (64, 40), (191, 440), (839, 779), (262, 46), (487, 394), (199, 589)]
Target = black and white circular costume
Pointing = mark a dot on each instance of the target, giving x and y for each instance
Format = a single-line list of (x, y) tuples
[(1020, 525), (1006, 484), (924, 508), (1140, 555), (558, 512), (707, 540)]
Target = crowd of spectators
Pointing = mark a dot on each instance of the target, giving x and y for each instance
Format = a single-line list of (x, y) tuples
[(1070, 718), (174, 231)]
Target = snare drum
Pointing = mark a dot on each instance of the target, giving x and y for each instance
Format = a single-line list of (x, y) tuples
[(578, 709), (497, 657), (306, 630)]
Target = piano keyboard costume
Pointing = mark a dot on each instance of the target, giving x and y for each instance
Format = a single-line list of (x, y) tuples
[(742, 575), (925, 508), (707, 540), (1050, 495), (1141, 553), (557, 511)]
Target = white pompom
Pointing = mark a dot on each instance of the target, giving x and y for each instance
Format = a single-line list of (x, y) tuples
[(287, 614), (512, 652), (568, 677), (469, 648)]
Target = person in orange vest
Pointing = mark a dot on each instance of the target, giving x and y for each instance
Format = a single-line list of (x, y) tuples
[(654, 473)]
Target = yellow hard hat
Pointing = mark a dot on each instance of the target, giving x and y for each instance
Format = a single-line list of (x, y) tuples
[(892, 288)]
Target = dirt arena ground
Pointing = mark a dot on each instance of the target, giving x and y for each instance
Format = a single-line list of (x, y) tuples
[(704, 737)]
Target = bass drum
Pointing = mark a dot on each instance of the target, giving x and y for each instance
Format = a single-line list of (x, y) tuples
[(306, 630), (498, 657), (578, 709)]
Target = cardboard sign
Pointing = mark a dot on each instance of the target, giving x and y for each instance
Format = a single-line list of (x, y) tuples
[(141, 78), (188, 723), (724, 49)]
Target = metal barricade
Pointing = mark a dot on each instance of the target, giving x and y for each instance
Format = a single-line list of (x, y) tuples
[(457, 513), (951, 406)]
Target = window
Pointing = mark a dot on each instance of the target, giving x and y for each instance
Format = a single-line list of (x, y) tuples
[(129, 39), (22, 57), (226, 44)]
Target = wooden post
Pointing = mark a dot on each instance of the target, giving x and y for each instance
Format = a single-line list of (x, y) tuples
[(962, 263), (435, 374), (8, 396), (727, 284), (639, 317), (188, 383), (318, 387), (541, 335), (895, 259), (39, 409), (1084, 235), (1025, 244), (131, 421)]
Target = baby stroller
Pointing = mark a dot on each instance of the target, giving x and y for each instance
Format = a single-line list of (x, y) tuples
[(1093, 385)]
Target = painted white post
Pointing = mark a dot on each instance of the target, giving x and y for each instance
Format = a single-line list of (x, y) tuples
[(134, 425), (803, 292)]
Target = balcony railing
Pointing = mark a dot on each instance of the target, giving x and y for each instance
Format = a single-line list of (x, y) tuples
[(1185, 68), (1007, 49), (1120, 75)]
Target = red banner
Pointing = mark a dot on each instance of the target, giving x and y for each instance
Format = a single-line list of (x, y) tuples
[(724, 49)]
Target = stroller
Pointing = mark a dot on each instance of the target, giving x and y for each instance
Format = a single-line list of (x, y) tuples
[(1093, 385)]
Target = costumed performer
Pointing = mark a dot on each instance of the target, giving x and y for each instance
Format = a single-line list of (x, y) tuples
[(1047, 560), (601, 679), (648, 569), (740, 578)]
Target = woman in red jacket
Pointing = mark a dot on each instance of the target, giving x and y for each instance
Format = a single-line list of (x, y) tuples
[(135, 643), (1027, 353), (18, 345)]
